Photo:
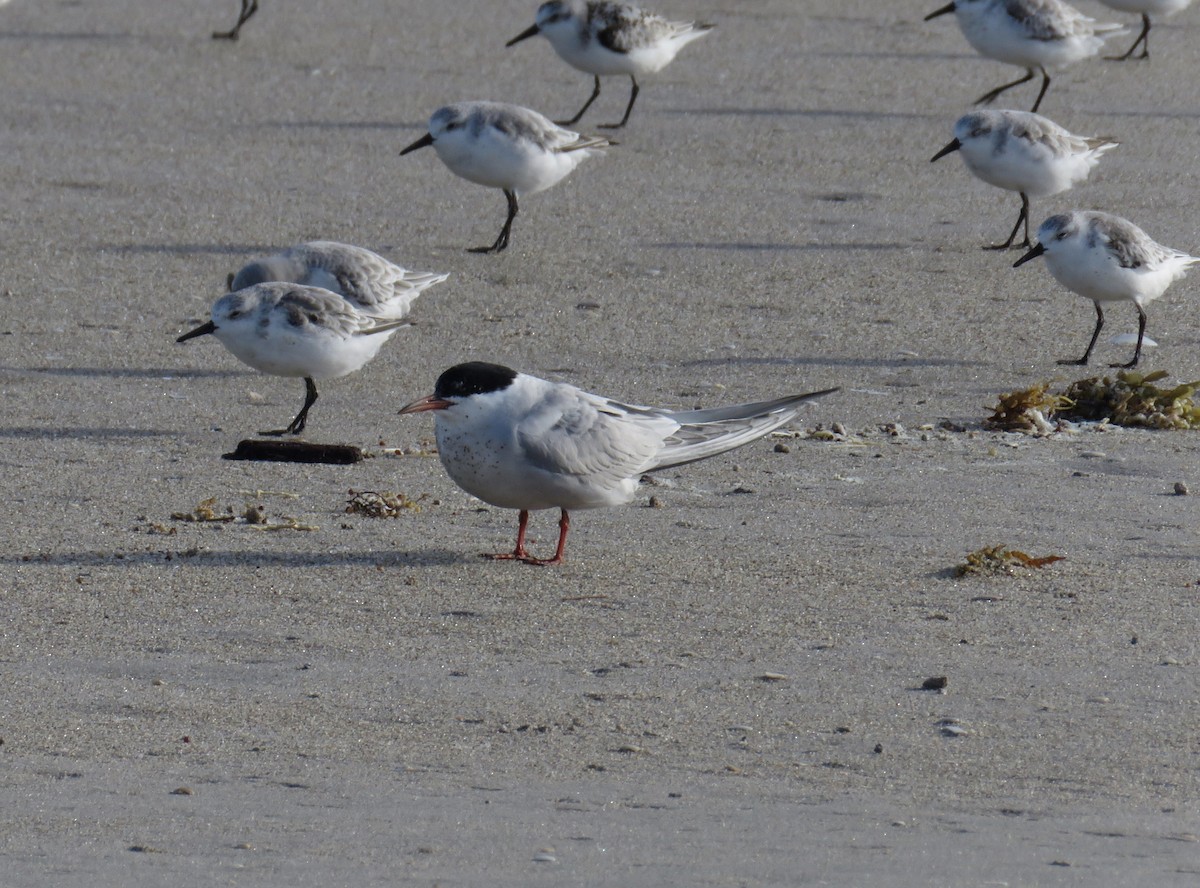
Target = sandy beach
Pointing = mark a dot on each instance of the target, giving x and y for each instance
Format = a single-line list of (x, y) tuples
[(725, 689)]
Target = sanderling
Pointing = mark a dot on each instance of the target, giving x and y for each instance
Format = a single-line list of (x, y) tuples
[(1105, 258), (507, 147), (1144, 7), (1030, 34), (603, 38), (1024, 152), (375, 286), (520, 442), (287, 329), (249, 7)]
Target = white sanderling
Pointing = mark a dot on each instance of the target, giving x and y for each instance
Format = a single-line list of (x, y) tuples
[(1023, 152), (603, 38), (287, 329), (1030, 34), (1144, 8), (520, 442), (507, 147), (1105, 258), (249, 7), (375, 286)]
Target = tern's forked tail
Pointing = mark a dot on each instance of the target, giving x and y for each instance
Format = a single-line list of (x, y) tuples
[(705, 433)]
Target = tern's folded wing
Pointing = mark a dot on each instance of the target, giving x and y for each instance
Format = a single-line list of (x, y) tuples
[(580, 435)]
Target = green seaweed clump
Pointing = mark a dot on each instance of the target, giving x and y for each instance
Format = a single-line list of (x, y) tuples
[(1027, 410), (1128, 399), (1132, 399)]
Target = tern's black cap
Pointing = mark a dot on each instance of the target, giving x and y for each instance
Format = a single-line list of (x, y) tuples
[(473, 378)]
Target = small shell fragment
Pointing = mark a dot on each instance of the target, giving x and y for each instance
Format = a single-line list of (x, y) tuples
[(951, 728)]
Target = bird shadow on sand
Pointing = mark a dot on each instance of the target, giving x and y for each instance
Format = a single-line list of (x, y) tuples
[(780, 361), (228, 559), (753, 246), (83, 433), (803, 112), (51, 36), (190, 249), (387, 125), (125, 372)]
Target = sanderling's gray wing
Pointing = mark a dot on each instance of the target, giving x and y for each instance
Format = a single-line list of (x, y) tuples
[(569, 141), (525, 124), (1053, 19), (623, 28), (1036, 129), (315, 307), (1128, 244), (377, 286), (1061, 142), (516, 122), (1096, 143)]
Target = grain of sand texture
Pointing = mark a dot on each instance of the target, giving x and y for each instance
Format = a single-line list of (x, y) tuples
[(725, 690)]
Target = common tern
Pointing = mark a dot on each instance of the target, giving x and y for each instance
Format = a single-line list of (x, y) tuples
[(520, 442)]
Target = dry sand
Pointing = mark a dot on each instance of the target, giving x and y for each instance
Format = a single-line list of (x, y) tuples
[(369, 702)]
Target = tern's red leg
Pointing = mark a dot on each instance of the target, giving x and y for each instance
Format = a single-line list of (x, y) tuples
[(519, 553), (564, 524)]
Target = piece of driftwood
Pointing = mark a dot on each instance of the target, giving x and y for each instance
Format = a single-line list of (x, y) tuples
[(296, 451)]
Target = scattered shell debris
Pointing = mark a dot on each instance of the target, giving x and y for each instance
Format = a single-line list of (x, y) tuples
[(993, 561), (205, 511), (424, 447), (286, 522), (1127, 399), (375, 504), (255, 516)]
